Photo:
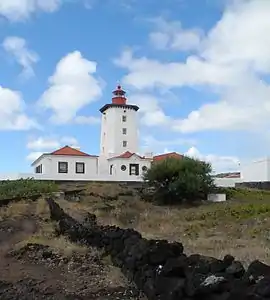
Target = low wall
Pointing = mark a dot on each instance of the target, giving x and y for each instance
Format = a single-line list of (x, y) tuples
[(161, 269), (227, 182), (262, 185), (221, 182)]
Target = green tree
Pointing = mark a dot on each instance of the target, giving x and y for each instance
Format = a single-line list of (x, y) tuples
[(179, 180)]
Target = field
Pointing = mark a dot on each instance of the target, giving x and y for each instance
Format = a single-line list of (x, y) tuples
[(239, 227), (38, 261)]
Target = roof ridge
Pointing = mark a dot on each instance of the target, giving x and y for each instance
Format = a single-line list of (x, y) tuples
[(68, 150)]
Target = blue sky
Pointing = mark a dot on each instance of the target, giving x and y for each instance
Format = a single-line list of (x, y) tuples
[(199, 70)]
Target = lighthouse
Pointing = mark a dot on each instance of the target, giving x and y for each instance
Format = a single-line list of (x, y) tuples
[(119, 126)]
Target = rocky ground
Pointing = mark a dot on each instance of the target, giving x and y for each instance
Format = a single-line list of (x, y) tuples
[(34, 268)]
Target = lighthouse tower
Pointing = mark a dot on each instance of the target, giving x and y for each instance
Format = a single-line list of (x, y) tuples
[(119, 128)]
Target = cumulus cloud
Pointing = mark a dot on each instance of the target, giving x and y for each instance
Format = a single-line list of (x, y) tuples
[(219, 163), (150, 143), (12, 111), (150, 111), (232, 61), (42, 144), (26, 58), (50, 143), (169, 35), (87, 120), (71, 87), (18, 10), (32, 156)]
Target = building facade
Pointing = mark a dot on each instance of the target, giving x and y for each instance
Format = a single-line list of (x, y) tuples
[(119, 146)]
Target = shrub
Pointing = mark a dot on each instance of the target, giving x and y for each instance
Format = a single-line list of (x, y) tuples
[(179, 180), (24, 188)]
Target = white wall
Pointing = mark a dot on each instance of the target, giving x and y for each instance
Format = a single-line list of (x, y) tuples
[(119, 176), (123, 175), (256, 171), (227, 182), (50, 166), (111, 139)]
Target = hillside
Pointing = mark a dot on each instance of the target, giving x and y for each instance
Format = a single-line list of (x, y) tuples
[(239, 226), (39, 261)]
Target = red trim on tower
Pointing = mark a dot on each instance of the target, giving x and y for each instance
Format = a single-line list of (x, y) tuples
[(119, 96)]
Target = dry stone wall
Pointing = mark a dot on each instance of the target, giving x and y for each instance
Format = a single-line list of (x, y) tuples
[(260, 185), (161, 269)]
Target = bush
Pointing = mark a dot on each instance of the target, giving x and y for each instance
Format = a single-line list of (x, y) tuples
[(179, 180), (24, 188)]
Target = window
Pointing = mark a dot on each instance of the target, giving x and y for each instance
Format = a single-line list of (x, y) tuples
[(62, 167), (38, 169), (134, 169), (124, 118), (144, 168), (111, 169), (124, 130), (123, 168), (124, 143), (80, 168)]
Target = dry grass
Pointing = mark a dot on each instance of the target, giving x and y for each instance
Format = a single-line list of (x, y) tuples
[(15, 210), (239, 227), (39, 213)]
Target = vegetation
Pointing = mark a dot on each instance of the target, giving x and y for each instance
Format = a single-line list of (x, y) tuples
[(24, 188), (178, 180), (239, 226)]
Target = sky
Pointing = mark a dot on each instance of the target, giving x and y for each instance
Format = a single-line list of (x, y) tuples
[(198, 69)]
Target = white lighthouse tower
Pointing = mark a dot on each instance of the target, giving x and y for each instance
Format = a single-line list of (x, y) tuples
[(119, 126)]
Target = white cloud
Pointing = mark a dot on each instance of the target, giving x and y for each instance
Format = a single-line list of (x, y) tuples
[(232, 61), (219, 163), (50, 143), (241, 36), (18, 10), (147, 73), (42, 144), (171, 35), (25, 57), (87, 120), (151, 112), (72, 87), (33, 156), (12, 111), (150, 143)]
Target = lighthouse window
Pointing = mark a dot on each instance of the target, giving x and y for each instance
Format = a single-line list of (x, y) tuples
[(124, 143), (124, 130), (124, 118)]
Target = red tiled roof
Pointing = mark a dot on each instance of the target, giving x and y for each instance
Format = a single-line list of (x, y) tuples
[(233, 176), (70, 152), (127, 155), (167, 155)]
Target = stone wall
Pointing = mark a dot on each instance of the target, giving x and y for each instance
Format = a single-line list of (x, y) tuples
[(161, 269), (261, 185)]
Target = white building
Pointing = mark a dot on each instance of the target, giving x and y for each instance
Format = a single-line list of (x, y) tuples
[(118, 160), (256, 171)]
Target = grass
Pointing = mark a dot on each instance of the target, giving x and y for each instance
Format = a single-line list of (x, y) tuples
[(24, 188), (239, 226), (38, 213)]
